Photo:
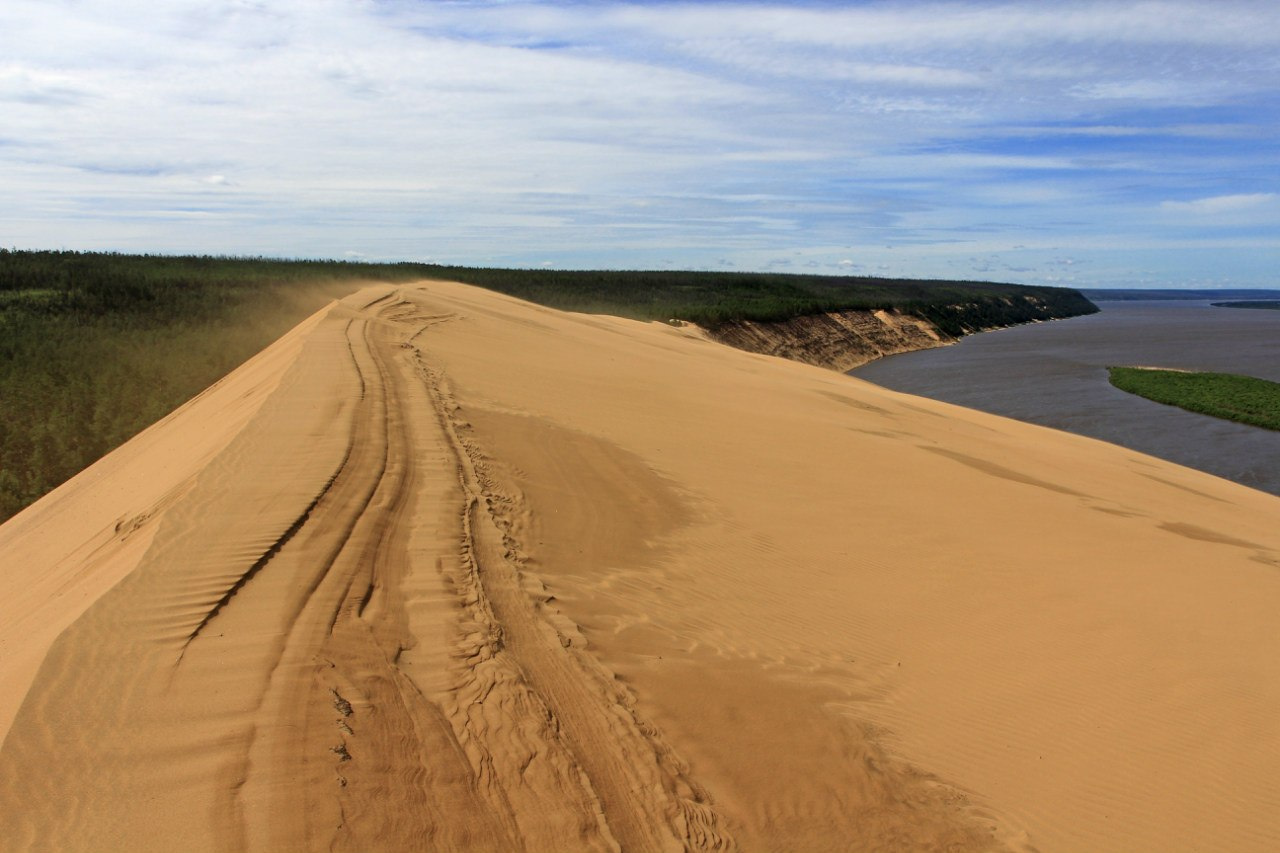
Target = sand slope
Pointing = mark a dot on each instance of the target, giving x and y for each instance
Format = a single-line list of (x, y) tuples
[(444, 570)]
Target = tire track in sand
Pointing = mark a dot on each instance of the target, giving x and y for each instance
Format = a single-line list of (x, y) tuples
[(645, 791)]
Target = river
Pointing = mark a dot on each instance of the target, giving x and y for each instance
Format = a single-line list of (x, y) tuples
[(1055, 374)]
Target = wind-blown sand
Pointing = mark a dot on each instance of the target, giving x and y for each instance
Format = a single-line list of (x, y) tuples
[(445, 570)]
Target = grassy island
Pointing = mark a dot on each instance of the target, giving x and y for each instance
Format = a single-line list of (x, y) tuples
[(1264, 304), (1245, 399)]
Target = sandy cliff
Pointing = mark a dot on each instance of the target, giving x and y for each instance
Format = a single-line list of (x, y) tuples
[(845, 339), (840, 340), (445, 570)]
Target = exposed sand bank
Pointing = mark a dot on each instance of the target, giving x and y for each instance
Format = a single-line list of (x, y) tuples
[(444, 570), (840, 340)]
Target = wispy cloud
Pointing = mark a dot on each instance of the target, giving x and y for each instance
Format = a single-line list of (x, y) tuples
[(626, 134), (1220, 204), (37, 86)]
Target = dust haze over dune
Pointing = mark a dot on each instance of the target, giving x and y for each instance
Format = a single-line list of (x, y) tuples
[(445, 570)]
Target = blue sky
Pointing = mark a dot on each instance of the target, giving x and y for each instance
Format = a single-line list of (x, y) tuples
[(1091, 144)]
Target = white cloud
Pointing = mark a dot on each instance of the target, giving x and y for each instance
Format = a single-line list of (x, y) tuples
[(1220, 204), (483, 130), (1197, 131), (908, 75), (1175, 91), (39, 86), (933, 25)]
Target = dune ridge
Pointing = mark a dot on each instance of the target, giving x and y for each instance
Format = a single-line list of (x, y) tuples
[(461, 572)]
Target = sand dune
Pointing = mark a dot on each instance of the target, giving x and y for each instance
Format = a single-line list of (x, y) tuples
[(445, 570)]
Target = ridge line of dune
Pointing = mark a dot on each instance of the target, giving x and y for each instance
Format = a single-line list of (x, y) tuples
[(146, 660), (91, 531)]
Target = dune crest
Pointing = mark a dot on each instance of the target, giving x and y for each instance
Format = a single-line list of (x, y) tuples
[(452, 571)]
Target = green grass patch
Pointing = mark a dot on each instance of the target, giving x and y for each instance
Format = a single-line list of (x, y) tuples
[(94, 347), (1245, 399)]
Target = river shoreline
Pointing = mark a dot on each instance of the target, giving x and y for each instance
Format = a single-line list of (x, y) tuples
[(1055, 375)]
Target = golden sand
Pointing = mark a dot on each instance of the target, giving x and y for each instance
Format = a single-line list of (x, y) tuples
[(444, 570)]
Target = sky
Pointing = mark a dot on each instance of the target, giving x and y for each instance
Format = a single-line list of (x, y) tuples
[(1111, 144)]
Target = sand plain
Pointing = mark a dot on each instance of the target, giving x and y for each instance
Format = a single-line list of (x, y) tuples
[(442, 570)]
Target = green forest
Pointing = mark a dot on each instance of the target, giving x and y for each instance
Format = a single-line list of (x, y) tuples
[(711, 298), (1244, 399), (94, 347)]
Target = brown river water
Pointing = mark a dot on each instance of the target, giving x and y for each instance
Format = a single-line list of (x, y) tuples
[(1054, 374)]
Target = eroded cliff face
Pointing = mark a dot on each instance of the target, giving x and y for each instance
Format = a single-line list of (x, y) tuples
[(843, 340), (840, 340)]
